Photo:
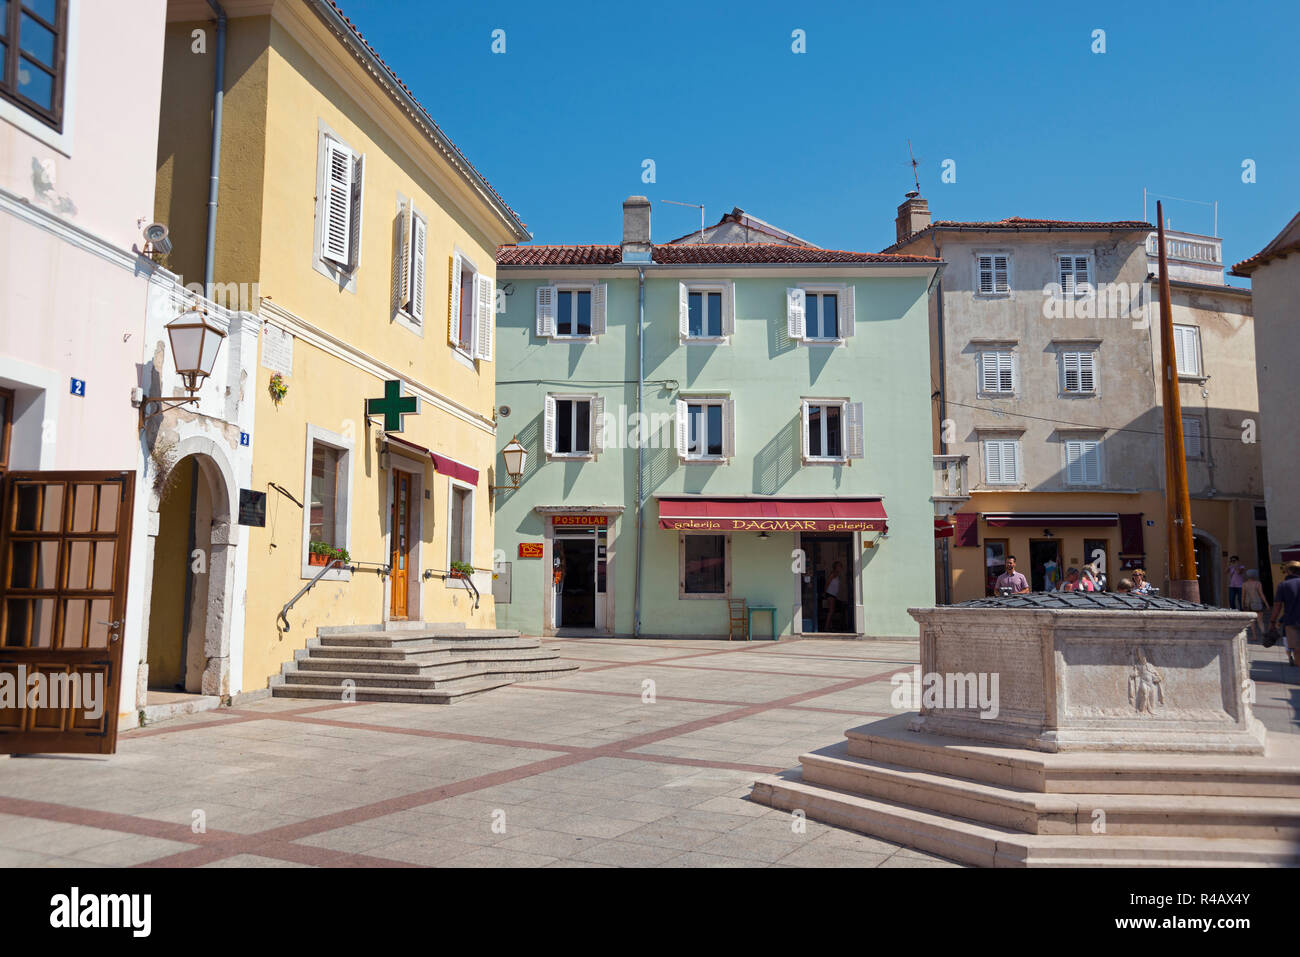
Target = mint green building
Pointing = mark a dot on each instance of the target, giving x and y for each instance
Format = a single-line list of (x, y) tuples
[(708, 422)]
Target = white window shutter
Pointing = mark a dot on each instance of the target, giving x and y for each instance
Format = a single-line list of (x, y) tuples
[(549, 426), (992, 462), (985, 269), (1065, 272), (354, 213), (453, 301), (419, 234), (1010, 461), (1070, 371), (847, 309), (485, 300), (989, 371), (854, 446), (1092, 463), (336, 237), (1001, 274), (728, 428), (597, 424), (683, 310), (1191, 437), (599, 293), (1087, 379), (803, 419), (1006, 372), (1082, 279), (404, 257), (796, 312), (1074, 467), (545, 311), (729, 309), (683, 429)]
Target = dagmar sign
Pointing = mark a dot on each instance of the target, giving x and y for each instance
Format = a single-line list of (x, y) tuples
[(773, 524)]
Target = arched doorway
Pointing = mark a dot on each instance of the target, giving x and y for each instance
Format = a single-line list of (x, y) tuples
[(188, 578)]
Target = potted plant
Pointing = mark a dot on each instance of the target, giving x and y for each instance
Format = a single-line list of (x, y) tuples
[(461, 569), (318, 553), (340, 554)]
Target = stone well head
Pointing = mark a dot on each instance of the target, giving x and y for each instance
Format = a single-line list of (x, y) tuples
[(1077, 671)]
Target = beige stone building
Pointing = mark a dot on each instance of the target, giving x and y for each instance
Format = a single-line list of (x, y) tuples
[(1274, 273), (1044, 353)]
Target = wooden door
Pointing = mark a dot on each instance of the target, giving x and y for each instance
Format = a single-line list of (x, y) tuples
[(65, 541), (401, 541)]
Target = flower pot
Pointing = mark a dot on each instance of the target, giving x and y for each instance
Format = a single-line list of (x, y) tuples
[(315, 559)]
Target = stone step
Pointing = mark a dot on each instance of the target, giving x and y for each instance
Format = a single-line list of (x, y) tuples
[(1036, 812), (515, 671), (392, 695), (432, 667), (419, 642), (429, 654), (1276, 773), (382, 637), (986, 846)]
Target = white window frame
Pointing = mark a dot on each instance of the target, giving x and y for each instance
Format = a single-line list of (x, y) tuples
[(1058, 287), (851, 444), (1200, 437), (548, 323), (452, 485), (1001, 440), (405, 266), (479, 346), (345, 276), (1188, 332), (595, 437), (728, 405), (995, 293), (845, 310), (1087, 443), (1014, 369), (685, 290), (1065, 361), (682, 594), (342, 505)]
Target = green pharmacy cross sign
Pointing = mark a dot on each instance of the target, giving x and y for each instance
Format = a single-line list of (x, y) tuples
[(393, 405)]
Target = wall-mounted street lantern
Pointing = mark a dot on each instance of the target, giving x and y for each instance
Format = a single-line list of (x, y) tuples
[(516, 458), (195, 341)]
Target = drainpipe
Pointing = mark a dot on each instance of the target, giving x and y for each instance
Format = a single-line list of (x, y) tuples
[(218, 92), (640, 446)]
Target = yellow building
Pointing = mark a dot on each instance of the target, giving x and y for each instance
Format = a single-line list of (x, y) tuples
[(365, 241)]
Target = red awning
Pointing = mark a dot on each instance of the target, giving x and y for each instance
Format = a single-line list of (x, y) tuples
[(454, 469), (1290, 555), (943, 528), (1051, 519), (773, 515)]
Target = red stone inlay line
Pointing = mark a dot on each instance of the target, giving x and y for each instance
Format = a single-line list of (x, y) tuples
[(537, 686)]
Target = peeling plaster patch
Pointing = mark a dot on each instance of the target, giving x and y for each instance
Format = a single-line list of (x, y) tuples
[(44, 173)]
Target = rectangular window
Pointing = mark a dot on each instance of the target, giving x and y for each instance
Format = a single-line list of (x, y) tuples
[(1082, 462), (822, 315), (997, 373), (705, 425), (1002, 461), (460, 525), (1074, 272), (573, 312), (1077, 370), (1193, 447), (993, 274), (704, 310), (323, 523), (1187, 350), (572, 426), (704, 561), (411, 251), (33, 57), (467, 311), (826, 431)]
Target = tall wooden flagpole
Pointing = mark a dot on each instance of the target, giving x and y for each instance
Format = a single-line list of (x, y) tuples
[(1178, 503)]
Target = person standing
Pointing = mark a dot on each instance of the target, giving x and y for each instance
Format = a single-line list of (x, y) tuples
[(834, 585), (1286, 608), (1236, 580), (1012, 579), (1254, 599)]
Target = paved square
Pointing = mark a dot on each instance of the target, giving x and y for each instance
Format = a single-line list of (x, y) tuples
[(643, 758)]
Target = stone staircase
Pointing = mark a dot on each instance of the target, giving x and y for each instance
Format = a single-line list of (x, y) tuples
[(413, 663), (994, 806)]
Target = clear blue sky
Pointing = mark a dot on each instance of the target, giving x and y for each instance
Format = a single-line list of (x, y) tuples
[(1037, 124)]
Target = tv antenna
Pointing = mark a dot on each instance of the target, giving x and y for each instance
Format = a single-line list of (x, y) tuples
[(914, 164), (697, 206)]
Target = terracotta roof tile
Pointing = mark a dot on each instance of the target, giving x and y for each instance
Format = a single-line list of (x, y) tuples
[(693, 253)]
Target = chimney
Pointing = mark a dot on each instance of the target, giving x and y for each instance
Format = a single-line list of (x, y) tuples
[(636, 229), (913, 215)]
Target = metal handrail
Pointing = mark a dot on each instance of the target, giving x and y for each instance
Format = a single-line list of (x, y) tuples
[(446, 573), (283, 616)]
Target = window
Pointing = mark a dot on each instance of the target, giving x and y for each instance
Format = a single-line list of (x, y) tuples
[(575, 425), (832, 430), (1074, 273), (460, 525), (571, 312), (705, 566), (340, 178), (1193, 448), (6, 426), (1082, 462), (1002, 461), (997, 373), (470, 309), (705, 429), (413, 234), (1187, 350), (705, 311), (820, 313), (992, 274), (1078, 373), (33, 57), (327, 483)]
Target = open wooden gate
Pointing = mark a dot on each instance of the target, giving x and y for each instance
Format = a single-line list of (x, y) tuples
[(65, 541)]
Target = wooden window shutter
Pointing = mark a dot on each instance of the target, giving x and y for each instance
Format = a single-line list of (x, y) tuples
[(404, 257), (993, 462), (545, 311), (453, 300), (1065, 271), (1010, 461), (728, 428), (1001, 274), (729, 309), (854, 445), (989, 371), (1082, 281), (485, 301), (796, 313), (549, 426), (1191, 437), (354, 213), (683, 429), (683, 310), (336, 238), (803, 418), (599, 293), (847, 306), (1087, 379), (1092, 463), (419, 233), (986, 274), (597, 424), (1074, 470)]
